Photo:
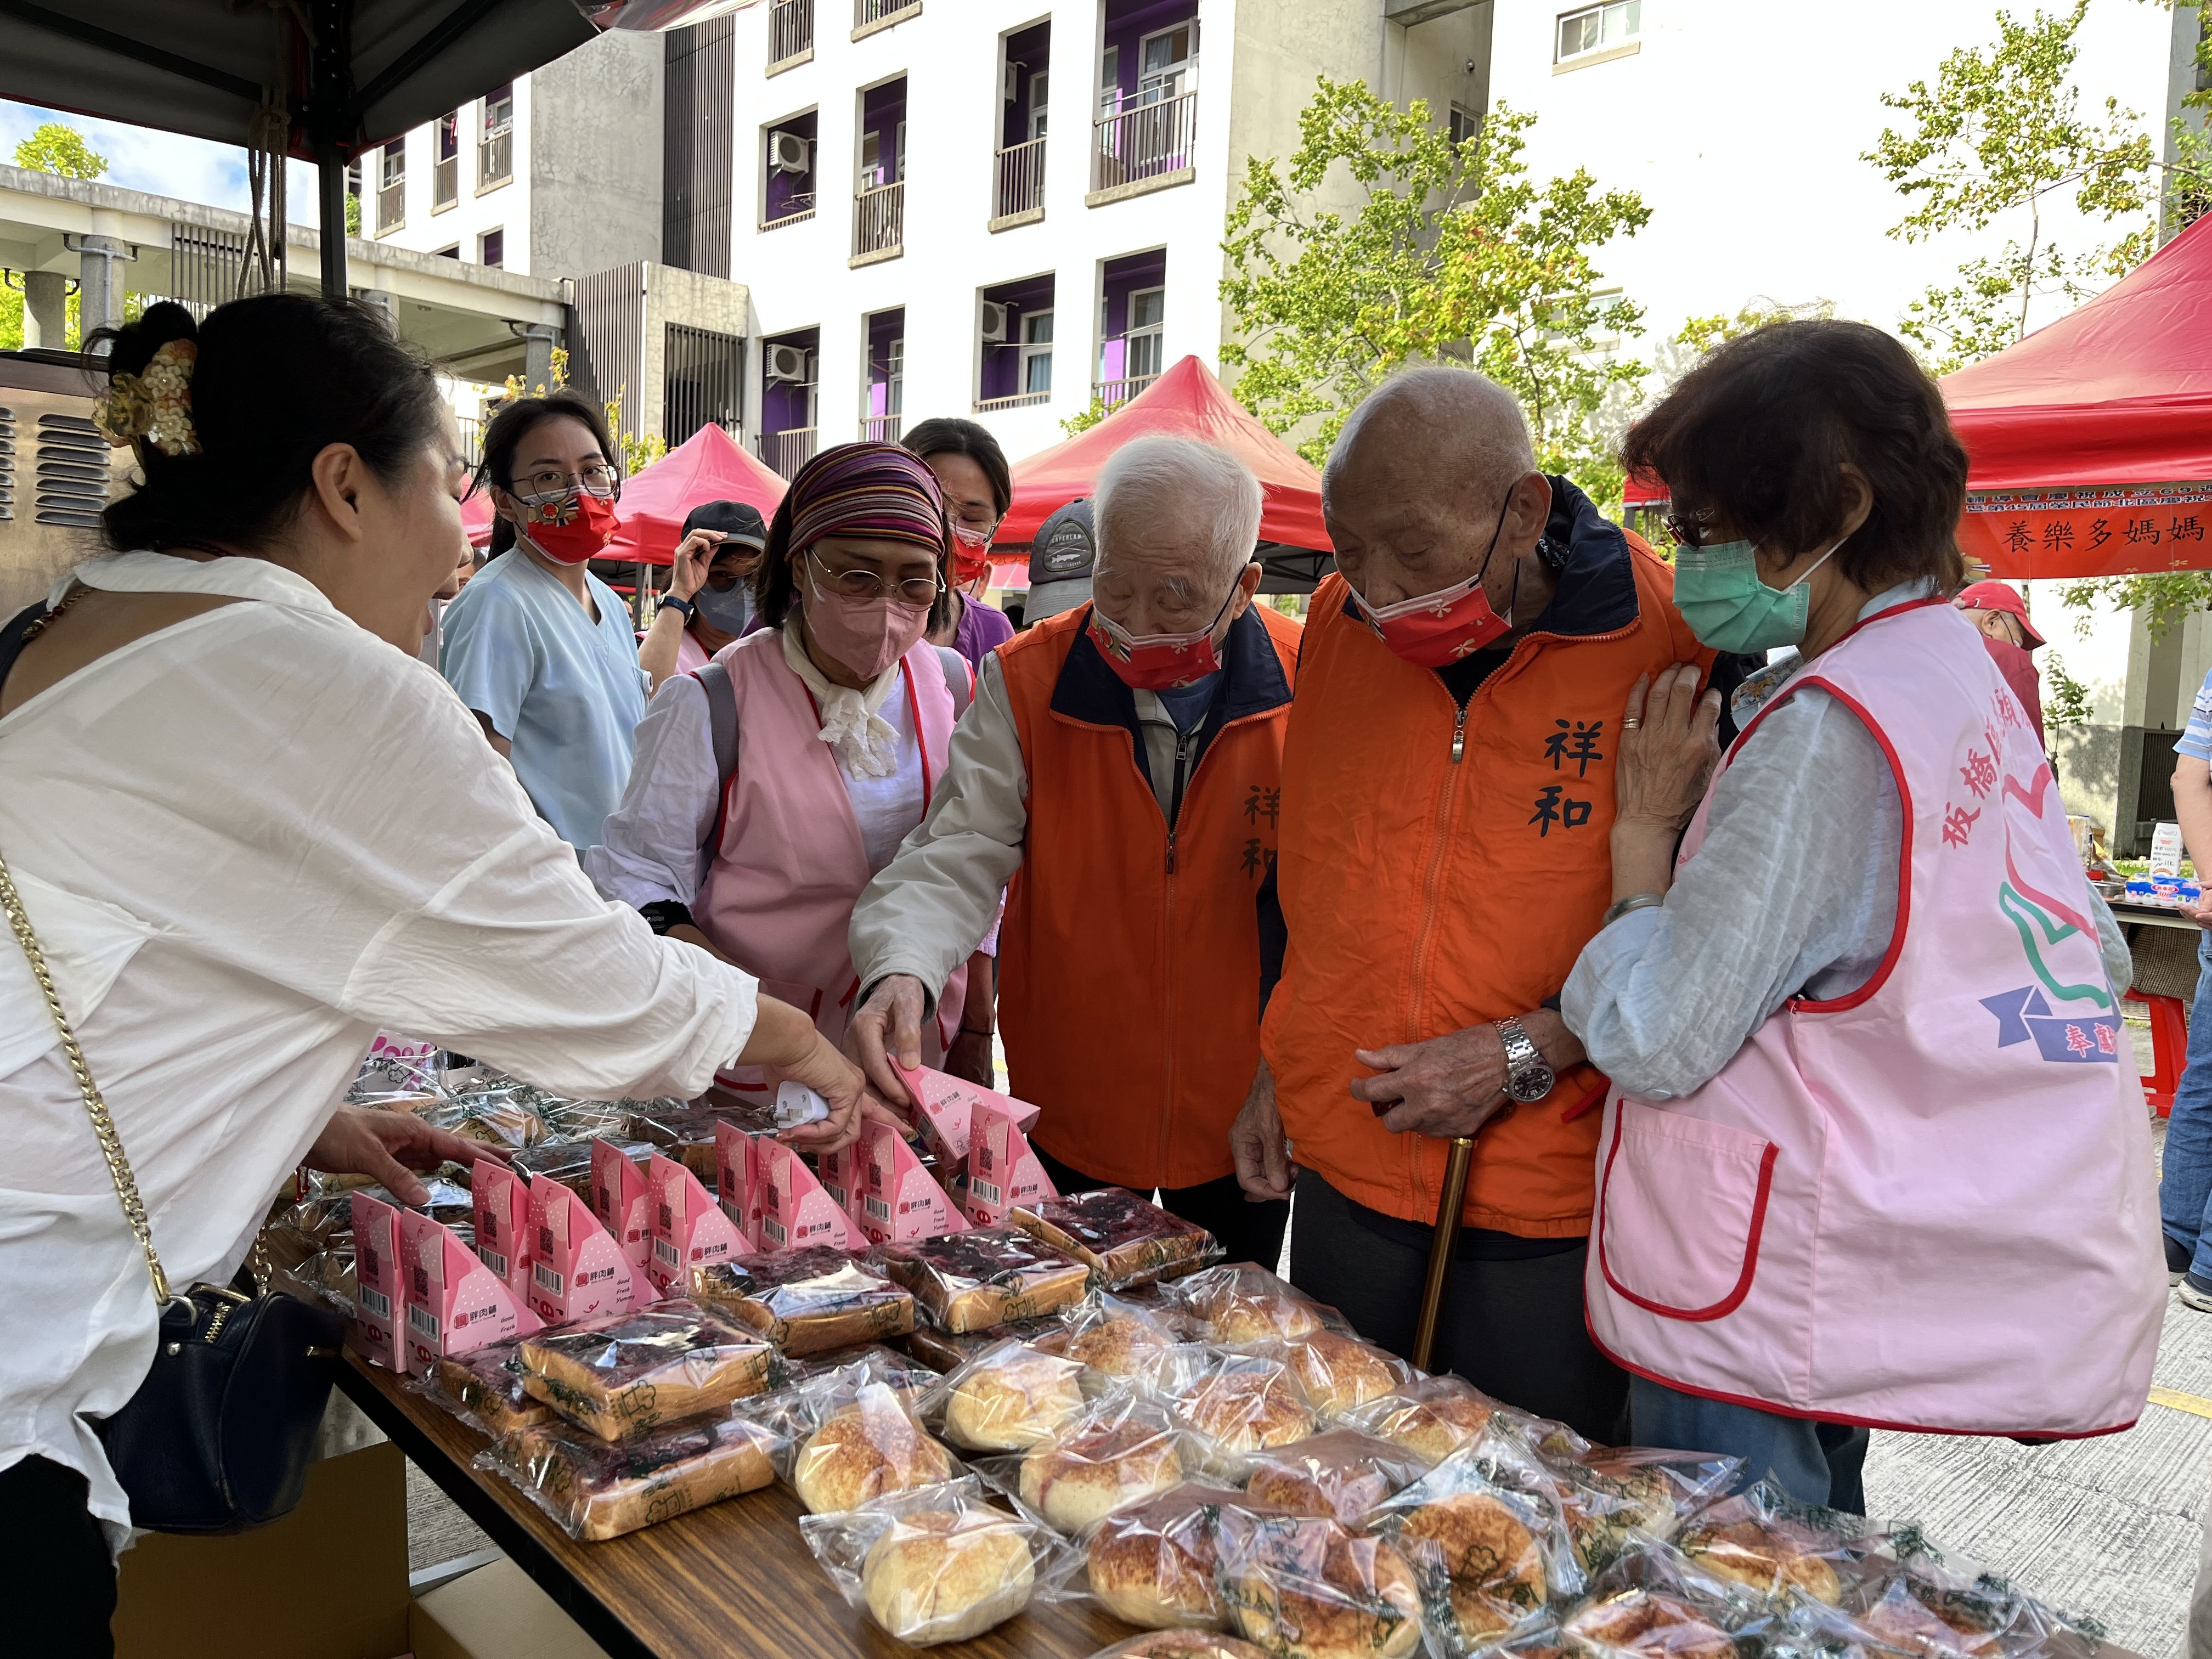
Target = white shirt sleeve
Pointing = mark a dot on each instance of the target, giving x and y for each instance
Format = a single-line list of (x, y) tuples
[(933, 905), (653, 846)]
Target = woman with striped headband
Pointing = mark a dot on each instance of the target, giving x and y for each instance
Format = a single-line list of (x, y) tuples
[(770, 786)]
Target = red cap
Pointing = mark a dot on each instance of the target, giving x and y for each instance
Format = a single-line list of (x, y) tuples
[(2000, 596)]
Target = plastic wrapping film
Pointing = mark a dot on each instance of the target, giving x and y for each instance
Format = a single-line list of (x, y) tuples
[(806, 1301), (870, 1362), (988, 1276), (853, 1439), (622, 1374), (1006, 1398), (1922, 1600), (939, 1564), (1155, 1563), (1759, 1537), (1121, 1340), (1653, 1602), (1339, 1374), (1613, 1492), (1242, 1404), (1181, 1644), (686, 1133), (593, 1489), (1122, 1238), (1433, 1417), (946, 1351), (1121, 1450), (1343, 1473), (1305, 1587), (1240, 1303), (485, 1388)]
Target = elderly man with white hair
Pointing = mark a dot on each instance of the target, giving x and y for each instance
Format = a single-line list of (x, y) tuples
[(1119, 776)]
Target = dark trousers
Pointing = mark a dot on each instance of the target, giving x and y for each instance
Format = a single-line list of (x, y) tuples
[(1818, 1463), (1249, 1232), (57, 1581), (1513, 1328)]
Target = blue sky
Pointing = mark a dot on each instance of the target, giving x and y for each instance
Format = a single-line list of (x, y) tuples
[(163, 163)]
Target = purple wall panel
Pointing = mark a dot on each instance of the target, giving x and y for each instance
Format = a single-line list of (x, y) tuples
[(789, 192), (882, 109), (1002, 364), (783, 403)]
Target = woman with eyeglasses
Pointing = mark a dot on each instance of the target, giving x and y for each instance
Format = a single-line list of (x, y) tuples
[(541, 651), (842, 710), (971, 470)]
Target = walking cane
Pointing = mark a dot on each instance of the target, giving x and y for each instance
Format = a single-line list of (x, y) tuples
[(1443, 1247)]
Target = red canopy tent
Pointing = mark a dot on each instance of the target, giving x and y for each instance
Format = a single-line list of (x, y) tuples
[(706, 466), (1186, 402)]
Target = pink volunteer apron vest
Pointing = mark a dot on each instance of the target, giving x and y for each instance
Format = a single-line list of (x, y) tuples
[(789, 866), (1930, 1204)]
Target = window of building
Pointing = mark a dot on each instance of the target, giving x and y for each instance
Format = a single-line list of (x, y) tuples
[(495, 146), (449, 135), (1166, 63), (1039, 81), (1109, 83), (871, 159), (1598, 28), (894, 378), (787, 190), (1036, 352), (1147, 330), (1464, 125), (491, 248), (392, 187), (453, 252), (446, 162)]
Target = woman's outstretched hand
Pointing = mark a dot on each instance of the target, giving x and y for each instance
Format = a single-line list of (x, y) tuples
[(368, 1140), (1668, 747)]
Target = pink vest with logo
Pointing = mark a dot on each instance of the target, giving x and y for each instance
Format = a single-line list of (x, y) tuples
[(789, 865), (1928, 1204)]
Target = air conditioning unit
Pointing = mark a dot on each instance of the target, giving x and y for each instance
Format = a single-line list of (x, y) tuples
[(787, 362), (788, 153), (995, 322)]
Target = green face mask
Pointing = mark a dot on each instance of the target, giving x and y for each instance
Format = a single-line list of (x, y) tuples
[(1718, 590)]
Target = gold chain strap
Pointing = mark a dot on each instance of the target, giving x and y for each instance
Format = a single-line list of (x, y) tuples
[(111, 1144)]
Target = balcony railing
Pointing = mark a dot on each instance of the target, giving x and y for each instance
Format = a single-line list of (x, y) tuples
[(879, 218), (1021, 179), (391, 206), (786, 451), (495, 159), (796, 210), (865, 12), (444, 183), (1145, 141), (790, 30), (1020, 400), (881, 429), (1115, 393)]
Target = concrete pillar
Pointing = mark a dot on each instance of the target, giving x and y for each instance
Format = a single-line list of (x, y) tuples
[(99, 281), (46, 310), (387, 303), (538, 340)]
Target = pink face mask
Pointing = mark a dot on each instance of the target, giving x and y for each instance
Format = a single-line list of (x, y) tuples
[(867, 635), (1432, 629)]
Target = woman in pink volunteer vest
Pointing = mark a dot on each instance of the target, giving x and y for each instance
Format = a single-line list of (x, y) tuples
[(843, 711), (1876, 1154)]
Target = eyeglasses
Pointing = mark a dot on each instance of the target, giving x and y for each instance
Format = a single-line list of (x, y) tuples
[(1687, 528), (860, 583), (601, 481)]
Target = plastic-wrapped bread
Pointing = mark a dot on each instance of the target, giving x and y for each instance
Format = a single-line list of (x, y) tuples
[(593, 1489), (1343, 1473), (1759, 1537), (948, 1351), (1615, 1495), (864, 1450), (987, 1276), (1302, 1587), (1152, 1563), (621, 1373), (1340, 1373), (807, 1300), (485, 1388), (1239, 1304), (1008, 1397), (944, 1576), (1124, 1239), (1242, 1404), (1431, 1417), (1116, 1456), (1647, 1624), (1181, 1644)]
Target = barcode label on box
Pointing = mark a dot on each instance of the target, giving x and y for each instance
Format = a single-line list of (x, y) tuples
[(375, 1304), (664, 1253), (547, 1281), (421, 1322), (494, 1259), (986, 1193), (878, 1210), (775, 1231)]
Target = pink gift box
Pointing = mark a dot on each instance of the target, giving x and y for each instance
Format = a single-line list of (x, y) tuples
[(454, 1302), (576, 1268), (618, 1199), (380, 1282), (947, 1103), (842, 1176), (900, 1202), (794, 1210), (1003, 1172), (503, 1223), (737, 1179), (689, 1227)]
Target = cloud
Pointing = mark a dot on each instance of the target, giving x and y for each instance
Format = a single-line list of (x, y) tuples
[(163, 163)]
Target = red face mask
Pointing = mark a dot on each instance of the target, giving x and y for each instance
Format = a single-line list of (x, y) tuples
[(569, 531), (1158, 662), (971, 550), (1435, 629)]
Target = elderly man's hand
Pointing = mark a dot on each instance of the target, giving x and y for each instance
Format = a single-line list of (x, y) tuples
[(888, 1026), (1453, 1084), (388, 1145), (1256, 1142)]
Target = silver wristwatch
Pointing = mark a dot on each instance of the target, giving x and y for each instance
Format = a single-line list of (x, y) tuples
[(1528, 1076)]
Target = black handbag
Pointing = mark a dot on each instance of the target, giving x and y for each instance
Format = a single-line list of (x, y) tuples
[(217, 1439)]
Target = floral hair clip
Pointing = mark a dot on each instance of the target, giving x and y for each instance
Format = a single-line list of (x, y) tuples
[(156, 405)]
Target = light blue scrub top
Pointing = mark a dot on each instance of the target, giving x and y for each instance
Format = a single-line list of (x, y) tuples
[(566, 692)]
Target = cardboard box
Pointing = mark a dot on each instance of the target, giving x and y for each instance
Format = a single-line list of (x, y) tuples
[(737, 1179), (379, 1285), (794, 1210), (503, 1222), (576, 1268), (618, 1199), (948, 1103), (495, 1613), (1003, 1173), (454, 1303), (900, 1202), (689, 1228)]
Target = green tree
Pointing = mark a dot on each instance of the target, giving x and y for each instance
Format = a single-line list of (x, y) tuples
[(1076, 424), (1452, 251), (353, 215), (56, 146)]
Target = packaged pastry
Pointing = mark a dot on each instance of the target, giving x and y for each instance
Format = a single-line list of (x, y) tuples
[(935, 1566), (1340, 1373), (566, 1161), (865, 1444), (1303, 1587), (484, 1389), (1762, 1539), (1613, 1494), (947, 1351), (594, 1490), (987, 1276), (870, 1362), (1929, 1603), (807, 1300), (1008, 1397), (1431, 1417), (1241, 1405), (1117, 1453), (686, 1133), (1648, 1624), (1152, 1563), (1343, 1473), (1121, 1339), (1120, 1237), (1181, 1644), (1655, 1602), (621, 1373), (1813, 1629), (1239, 1304)]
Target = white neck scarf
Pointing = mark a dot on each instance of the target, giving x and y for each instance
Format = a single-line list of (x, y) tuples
[(866, 744)]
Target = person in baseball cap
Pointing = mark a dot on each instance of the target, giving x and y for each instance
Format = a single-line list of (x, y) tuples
[(709, 600), (1061, 556), (1998, 610)]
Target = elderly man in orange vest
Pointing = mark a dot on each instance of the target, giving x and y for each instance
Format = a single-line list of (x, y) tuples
[(1446, 800), (1118, 776)]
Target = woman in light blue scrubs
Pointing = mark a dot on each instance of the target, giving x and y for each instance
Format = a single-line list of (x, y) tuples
[(541, 650)]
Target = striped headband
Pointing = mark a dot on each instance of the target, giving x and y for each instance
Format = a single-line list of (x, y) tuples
[(872, 491)]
